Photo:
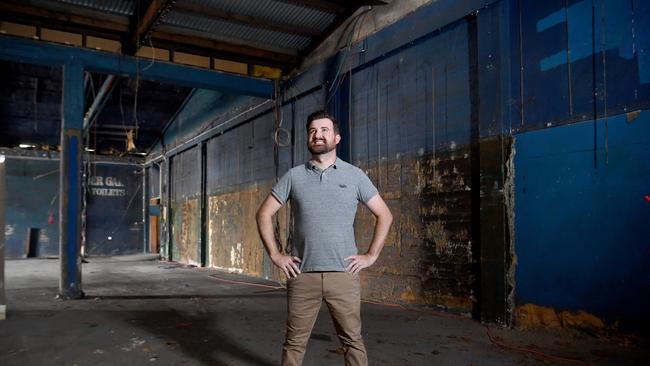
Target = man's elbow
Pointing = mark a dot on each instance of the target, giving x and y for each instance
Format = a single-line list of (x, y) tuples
[(385, 216), (388, 217), (259, 216)]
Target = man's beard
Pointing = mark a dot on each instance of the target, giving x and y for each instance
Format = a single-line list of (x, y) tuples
[(321, 149)]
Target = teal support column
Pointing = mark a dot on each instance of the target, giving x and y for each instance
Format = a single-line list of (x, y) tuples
[(70, 180)]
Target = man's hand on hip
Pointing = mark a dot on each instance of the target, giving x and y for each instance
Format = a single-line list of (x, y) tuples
[(359, 262), (288, 264)]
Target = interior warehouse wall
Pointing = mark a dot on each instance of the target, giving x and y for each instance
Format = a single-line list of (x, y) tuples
[(582, 141), (417, 155), (185, 206), (114, 224), (32, 211), (509, 138)]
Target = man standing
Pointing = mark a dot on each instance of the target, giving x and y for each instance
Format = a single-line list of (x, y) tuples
[(324, 264)]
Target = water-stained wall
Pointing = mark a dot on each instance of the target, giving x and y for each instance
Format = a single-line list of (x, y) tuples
[(185, 206)]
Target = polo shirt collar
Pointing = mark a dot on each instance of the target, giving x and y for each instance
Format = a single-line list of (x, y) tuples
[(313, 166)]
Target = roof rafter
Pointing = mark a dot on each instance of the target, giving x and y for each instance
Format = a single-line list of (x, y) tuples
[(223, 50), (143, 22), (83, 24), (15, 12)]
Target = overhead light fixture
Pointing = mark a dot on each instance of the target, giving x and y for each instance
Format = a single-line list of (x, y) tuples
[(89, 149), (26, 146)]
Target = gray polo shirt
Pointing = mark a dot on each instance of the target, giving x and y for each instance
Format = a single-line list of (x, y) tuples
[(324, 204)]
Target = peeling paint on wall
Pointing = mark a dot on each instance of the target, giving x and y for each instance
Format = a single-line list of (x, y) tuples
[(530, 316), (427, 257), (509, 198), (233, 239), (186, 233)]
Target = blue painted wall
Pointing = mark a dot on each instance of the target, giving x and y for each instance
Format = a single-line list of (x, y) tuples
[(581, 218), (32, 196), (581, 236)]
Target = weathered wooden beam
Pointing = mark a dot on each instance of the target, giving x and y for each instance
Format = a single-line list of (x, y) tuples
[(142, 23), (214, 13), (22, 13), (223, 50)]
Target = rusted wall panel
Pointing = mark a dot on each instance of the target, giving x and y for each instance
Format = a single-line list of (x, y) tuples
[(427, 258), (185, 207), (186, 231), (410, 131), (241, 170), (233, 240)]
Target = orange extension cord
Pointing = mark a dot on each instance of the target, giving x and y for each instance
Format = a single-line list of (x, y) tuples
[(434, 313)]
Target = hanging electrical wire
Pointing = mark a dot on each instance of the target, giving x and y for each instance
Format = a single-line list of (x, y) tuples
[(338, 77), (277, 113)]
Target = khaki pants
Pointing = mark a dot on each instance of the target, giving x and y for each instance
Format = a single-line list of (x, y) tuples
[(341, 292)]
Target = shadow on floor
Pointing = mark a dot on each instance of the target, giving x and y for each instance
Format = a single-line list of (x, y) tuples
[(92, 297), (198, 337)]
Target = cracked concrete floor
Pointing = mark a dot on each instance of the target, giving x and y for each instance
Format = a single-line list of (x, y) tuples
[(140, 311)]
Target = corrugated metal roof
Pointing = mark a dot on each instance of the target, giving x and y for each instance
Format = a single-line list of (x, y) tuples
[(275, 11), (122, 7), (211, 27), (270, 32)]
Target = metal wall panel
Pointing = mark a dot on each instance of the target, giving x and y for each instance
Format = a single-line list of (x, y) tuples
[(410, 131), (240, 172), (114, 222), (580, 59), (186, 206), (581, 235), (153, 181)]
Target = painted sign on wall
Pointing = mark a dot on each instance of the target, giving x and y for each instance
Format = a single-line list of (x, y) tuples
[(106, 186)]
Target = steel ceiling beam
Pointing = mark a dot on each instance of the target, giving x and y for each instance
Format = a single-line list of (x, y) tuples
[(36, 52)]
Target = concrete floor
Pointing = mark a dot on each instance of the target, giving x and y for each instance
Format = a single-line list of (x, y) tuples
[(141, 311)]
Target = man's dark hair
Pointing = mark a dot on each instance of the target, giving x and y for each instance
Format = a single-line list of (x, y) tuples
[(322, 114)]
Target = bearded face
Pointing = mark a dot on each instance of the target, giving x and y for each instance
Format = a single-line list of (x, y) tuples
[(322, 137)]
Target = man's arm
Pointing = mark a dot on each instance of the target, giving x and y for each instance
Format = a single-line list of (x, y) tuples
[(264, 217), (384, 219)]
